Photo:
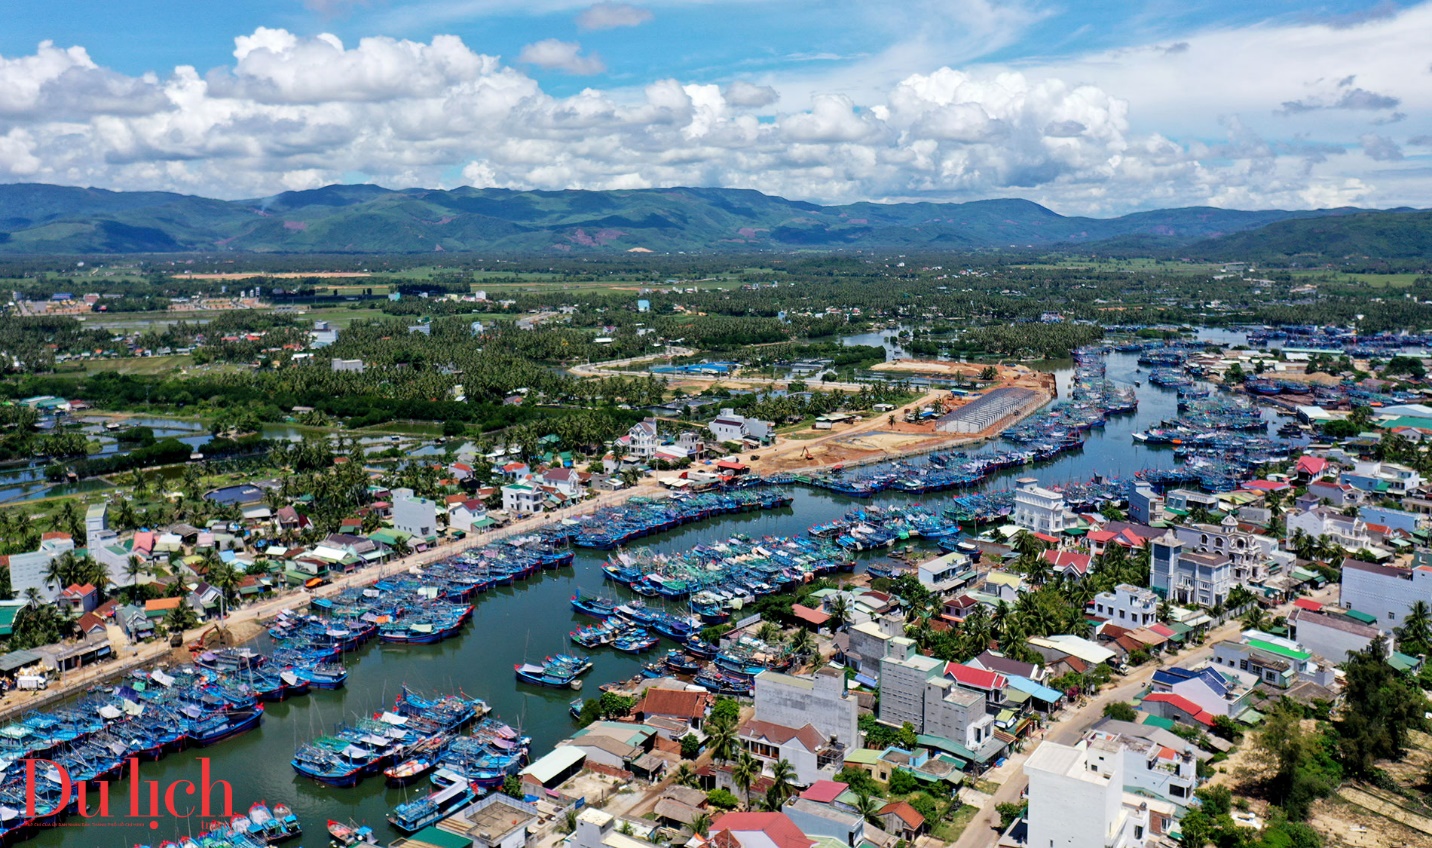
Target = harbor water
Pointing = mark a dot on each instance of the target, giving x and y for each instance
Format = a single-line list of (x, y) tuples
[(529, 621)]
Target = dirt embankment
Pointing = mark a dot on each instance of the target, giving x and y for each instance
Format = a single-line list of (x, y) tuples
[(889, 435)]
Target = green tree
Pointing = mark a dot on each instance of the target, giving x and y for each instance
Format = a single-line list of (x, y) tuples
[(782, 774), (721, 738), (744, 773), (1121, 711), (868, 806), (690, 747), (1381, 709)]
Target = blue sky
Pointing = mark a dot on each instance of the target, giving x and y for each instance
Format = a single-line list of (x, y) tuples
[(1094, 108)]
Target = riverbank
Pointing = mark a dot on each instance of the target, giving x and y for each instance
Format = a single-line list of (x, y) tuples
[(128, 657)]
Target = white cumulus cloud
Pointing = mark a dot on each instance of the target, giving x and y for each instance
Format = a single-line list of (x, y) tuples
[(292, 111), (557, 55)]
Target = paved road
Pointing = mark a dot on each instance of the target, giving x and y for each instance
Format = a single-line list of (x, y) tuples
[(1073, 723)]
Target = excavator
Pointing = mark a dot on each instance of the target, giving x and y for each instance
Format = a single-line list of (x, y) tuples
[(215, 636)]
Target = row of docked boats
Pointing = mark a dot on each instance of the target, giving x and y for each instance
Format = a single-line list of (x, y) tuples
[(611, 527), (448, 739), (143, 717), (562, 671), (260, 827), (635, 627), (464, 769), (720, 576), (864, 528), (356, 750)]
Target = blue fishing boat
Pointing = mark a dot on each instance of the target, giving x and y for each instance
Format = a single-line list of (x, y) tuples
[(416, 815), (595, 607)]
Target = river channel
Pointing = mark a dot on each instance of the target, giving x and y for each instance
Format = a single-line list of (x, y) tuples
[(530, 621)]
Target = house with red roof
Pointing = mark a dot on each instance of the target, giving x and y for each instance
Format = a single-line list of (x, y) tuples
[(687, 708), (1173, 706), (812, 755), (824, 791), (79, 599), (1309, 468), (902, 820), (90, 624), (1070, 564), (757, 830), (990, 684)]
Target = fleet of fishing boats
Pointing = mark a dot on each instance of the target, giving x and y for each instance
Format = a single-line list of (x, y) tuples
[(260, 827), (419, 737), (452, 743), (147, 715)]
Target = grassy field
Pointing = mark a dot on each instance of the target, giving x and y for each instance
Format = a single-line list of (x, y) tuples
[(129, 365), (1131, 266), (1377, 281)]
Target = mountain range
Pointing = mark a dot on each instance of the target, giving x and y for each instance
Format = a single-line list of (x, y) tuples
[(48, 219)]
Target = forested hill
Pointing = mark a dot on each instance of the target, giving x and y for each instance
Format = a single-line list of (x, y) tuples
[(1399, 236), (43, 219)]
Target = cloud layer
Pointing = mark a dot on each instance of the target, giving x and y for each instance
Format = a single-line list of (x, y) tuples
[(295, 112)]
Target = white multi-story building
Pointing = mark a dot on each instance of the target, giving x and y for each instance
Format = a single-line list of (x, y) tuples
[(1349, 532), (1037, 509), (1383, 591), (1249, 553), (1128, 606), (641, 440), (27, 570), (820, 700), (522, 498), (1189, 578), (1383, 478), (415, 515), (1158, 770), (730, 427), (946, 573), (1076, 797)]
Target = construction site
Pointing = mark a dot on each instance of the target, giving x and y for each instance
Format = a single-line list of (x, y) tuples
[(938, 420)]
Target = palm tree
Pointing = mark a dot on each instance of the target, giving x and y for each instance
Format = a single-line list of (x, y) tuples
[(721, 739), (701, 824), (869, 808), (134, 568), (803, 643), (781, 774), (33, 597), (685, 776), (839, 612), (744, 773), (1415, 634), (1038, 570), (1256, 618)]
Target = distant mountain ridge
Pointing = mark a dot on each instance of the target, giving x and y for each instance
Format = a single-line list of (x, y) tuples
[(43, 219)]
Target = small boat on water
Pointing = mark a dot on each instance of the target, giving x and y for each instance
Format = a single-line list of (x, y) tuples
[(408, 771), (272, 826), (595, 607), (347, 834), (553, 677)]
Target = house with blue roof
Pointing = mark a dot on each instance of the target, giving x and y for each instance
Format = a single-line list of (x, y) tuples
[(1218, 691)]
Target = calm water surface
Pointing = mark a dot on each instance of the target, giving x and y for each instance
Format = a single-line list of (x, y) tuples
[(530, 621)]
